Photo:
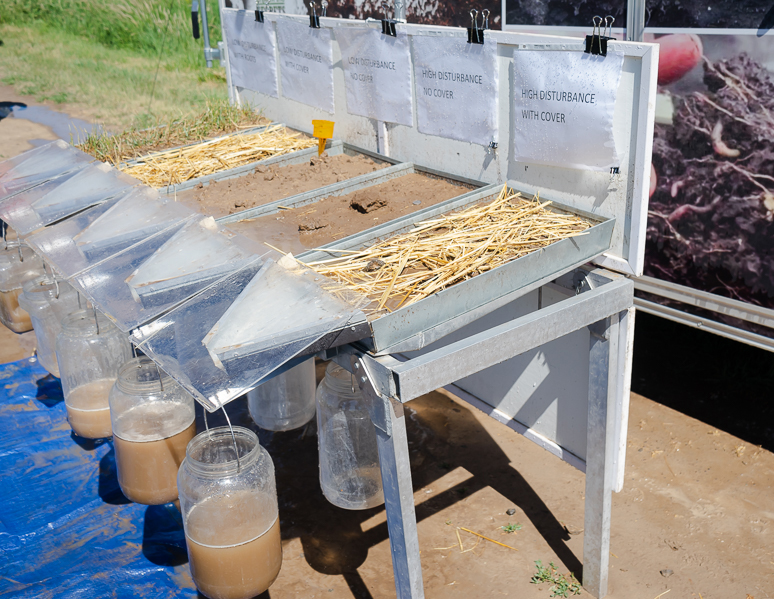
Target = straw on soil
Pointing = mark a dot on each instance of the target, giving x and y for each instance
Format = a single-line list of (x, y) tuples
[(171, 167), (217, 119), (440, 252)]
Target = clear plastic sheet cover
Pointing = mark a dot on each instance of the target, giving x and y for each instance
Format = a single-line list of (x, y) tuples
[(55, 243), (174, 342), (199, 254), (105, 283), (140, 213), (38, 165), (89, 186), (21, 203), (297, 308)]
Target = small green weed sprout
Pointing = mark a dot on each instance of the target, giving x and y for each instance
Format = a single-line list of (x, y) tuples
[(511, 527), (560, 585)]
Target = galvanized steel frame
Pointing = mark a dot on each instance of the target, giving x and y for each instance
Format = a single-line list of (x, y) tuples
[(602, 303), (609, 302)]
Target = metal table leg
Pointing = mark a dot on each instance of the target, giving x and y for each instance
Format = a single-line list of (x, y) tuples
[(388, 383), (600, 447), (390, 424)]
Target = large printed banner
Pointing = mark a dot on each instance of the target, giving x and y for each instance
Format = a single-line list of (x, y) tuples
[(457, 88), (563, 105), (711, 212), (377, 74), (251, 52), (306, 64)]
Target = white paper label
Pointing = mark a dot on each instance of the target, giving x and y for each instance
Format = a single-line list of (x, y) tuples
[(457, 88), (563, 108), (306, 64), (377, 74), (251, 52)]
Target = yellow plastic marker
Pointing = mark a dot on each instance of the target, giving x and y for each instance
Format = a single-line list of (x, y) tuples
[(323, 131)]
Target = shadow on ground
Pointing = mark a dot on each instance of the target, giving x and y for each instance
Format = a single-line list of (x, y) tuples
[(724, 383)]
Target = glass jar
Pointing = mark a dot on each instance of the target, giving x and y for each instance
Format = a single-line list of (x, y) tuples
[(153, 421), (286, 401), (91, 351), (350, 475), (18, 264), (230, 514), (63, 298), (44, 321)]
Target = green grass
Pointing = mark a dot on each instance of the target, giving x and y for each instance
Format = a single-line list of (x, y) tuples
[(561, 585), (102, 58), (145, 26), (217, 119), (108, 85)]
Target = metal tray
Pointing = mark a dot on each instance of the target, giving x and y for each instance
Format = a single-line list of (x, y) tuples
[(417, 325), (333, 147), (344, 187)]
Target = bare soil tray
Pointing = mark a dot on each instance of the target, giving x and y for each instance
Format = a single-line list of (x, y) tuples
[(268, 183), (315, 224)]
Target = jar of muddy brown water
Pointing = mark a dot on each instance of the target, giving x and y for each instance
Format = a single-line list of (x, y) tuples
[(18, 264), (90, 351), (153, 421), (230, 514)]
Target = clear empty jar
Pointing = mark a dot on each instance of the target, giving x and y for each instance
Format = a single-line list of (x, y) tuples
[(286, 401), (45, 321), (153, 421), (350, 476), (18, 264), (230, 514), (91, 351)]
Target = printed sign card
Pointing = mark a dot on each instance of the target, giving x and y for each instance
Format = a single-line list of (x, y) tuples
[(563, 108), (377, 74), (306, 64), (251, 52), (457, 88)]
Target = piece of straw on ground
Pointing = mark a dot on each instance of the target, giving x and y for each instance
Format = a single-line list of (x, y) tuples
[(450, 248), (170, 167)]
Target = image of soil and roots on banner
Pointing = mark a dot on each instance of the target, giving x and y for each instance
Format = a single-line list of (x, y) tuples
[(711, 212)]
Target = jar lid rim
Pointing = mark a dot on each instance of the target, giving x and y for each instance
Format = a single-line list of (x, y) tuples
[(219, 433), (133, 365)]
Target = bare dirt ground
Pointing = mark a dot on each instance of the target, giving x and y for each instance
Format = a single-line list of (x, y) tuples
[(267, 184), (335, 217), (695, 518)]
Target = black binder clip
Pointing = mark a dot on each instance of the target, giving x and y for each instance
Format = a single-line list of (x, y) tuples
[(258, 15), (596, 43), (476, 35), (314, 19), (388, 25)]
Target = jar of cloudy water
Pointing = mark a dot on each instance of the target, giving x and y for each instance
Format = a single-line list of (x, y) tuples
[(230, 514), (90, 351), (153, 421)]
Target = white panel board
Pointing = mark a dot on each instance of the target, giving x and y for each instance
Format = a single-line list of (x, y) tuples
[(622, 195)]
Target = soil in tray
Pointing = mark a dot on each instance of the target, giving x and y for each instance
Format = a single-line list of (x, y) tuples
[(270, 183), (313, 225)]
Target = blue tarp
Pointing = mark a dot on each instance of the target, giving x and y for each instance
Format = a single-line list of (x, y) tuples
[(66, 530)]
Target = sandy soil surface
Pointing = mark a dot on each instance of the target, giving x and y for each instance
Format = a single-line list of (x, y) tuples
[(695, 518), (336, 217), (14, 346), (697, 502), (16, 134), (268, 184)]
